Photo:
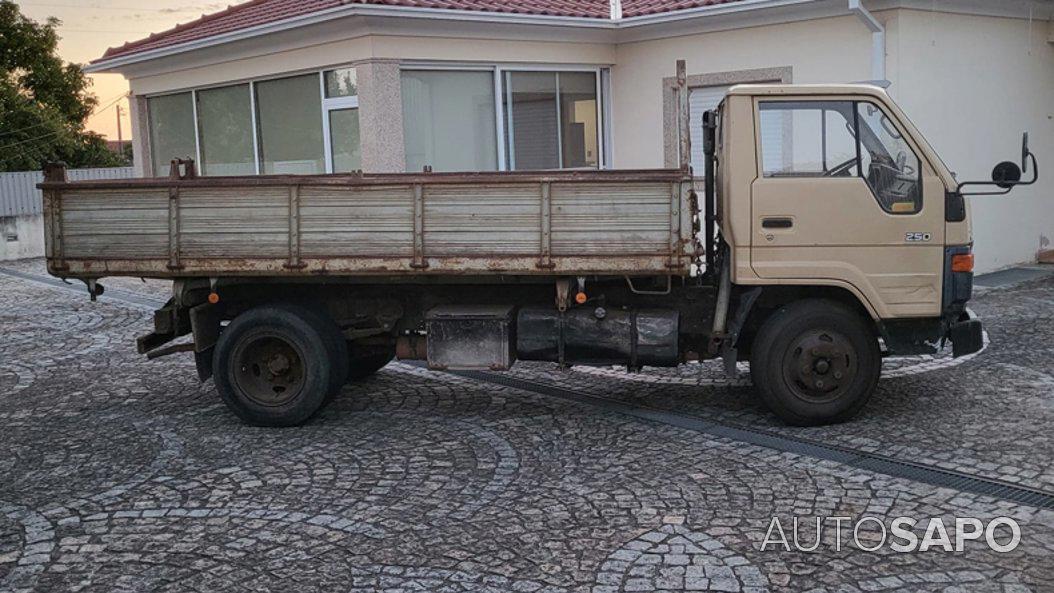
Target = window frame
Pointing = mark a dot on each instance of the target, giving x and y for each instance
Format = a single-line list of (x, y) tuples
[(602, 76), (327, 105), (855, 103), (330, 104), (498, 73)]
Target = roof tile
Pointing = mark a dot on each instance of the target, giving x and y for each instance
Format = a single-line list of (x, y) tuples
[(262, 12)]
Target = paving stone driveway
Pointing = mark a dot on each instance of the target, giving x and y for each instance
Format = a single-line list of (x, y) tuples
[(118, 474)]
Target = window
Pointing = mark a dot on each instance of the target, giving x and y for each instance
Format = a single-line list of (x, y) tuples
[(808, 139), (344, 140), (171, 130), (449, 121), (305, 124), (552, 120), (289, 123), (341, 83), (341, 128), (893, 170), (225, 131), (841, 139)]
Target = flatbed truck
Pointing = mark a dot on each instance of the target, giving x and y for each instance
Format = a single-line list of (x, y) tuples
[(822, 234)]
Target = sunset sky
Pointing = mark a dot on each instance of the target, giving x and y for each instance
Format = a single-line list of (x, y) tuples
[(89, 27)]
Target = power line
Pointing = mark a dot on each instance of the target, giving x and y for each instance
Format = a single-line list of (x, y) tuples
[(93, 113), (57, 132)]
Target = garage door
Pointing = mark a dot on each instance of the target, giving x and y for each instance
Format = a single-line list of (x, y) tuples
[(705, 98), (702, 99)]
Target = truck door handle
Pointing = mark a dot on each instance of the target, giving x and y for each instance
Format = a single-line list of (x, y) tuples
[(777, 223)]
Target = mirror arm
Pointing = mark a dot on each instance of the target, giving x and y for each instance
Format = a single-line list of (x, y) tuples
[(1035, 177)]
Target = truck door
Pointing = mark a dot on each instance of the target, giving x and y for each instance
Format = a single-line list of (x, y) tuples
[(842, 196)]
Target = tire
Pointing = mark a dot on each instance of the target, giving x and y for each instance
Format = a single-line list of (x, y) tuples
[(815, 362), (365, 363), (337, 347), (274, 365)]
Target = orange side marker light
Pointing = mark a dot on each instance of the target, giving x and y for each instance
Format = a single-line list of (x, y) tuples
[(962, 263)]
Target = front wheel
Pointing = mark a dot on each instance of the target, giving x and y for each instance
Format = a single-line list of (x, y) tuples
[(815, 362)]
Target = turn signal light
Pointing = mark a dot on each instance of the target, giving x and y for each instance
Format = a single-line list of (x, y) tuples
[(214, 298), (581, 298), (962, 263)]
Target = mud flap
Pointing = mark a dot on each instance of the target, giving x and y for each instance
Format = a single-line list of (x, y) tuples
[(967, 336), (203, 362)]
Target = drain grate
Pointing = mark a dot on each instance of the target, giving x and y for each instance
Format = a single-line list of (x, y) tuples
[(871, 462)]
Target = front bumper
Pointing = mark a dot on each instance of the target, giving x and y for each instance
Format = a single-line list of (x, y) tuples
[(966, 335)]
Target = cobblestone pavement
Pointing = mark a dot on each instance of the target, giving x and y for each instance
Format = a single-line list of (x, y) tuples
[(119, 474)]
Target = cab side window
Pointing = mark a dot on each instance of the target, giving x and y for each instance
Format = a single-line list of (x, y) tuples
[(808, 139), (841, 139)]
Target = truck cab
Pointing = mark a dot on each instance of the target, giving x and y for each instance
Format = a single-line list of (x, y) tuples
[(828, 193), (831, 185)]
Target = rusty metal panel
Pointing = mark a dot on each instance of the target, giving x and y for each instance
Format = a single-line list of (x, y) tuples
[(253, 222), (610, 218), (550, 223), (115, 224), (356, 221), (491, 219)]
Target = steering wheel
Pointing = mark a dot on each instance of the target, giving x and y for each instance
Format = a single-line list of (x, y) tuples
[(903, 168), (841, 169)]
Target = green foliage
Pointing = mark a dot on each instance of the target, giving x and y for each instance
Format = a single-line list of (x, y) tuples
[(44, 102)]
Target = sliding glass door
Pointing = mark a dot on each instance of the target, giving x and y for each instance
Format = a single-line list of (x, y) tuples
[(552, 120)]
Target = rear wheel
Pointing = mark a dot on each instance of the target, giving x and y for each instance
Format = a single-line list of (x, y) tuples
[(274, 365), (815, 362)]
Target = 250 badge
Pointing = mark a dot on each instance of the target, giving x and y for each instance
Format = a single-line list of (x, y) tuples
[(918, 237)]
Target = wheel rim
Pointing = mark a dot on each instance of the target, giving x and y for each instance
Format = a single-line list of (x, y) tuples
[(269, 370), (820, 366)]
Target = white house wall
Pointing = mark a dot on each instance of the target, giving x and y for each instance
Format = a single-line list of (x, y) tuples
[(972, 85), (819, 51)]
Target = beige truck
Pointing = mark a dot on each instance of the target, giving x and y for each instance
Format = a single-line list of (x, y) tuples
[(827, 235)]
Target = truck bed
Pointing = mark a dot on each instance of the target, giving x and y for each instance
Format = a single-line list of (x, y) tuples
[(552, 223)]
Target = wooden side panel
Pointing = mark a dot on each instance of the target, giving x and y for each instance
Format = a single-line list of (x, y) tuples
[(611, 218), (357, 222), (559, 223), (115, 224), (482, 220), (250, 223)]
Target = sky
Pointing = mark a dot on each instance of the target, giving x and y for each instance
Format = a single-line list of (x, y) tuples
[(89, 27)]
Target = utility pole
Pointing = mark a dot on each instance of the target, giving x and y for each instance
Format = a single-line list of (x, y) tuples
[(120, 138)]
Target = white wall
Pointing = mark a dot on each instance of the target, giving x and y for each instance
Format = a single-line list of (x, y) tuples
[(972, 85), (29, 228), (824, 50)]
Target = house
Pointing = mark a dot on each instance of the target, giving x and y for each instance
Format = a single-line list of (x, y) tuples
[(314, 86)]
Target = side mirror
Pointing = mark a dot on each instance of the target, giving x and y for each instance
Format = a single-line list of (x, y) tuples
[(1006, 175)]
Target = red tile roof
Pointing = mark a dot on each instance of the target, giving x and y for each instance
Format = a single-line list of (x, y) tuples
[(632, 8), (262, 12)]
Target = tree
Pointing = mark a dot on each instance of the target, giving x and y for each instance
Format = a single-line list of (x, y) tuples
[(44, 102)]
